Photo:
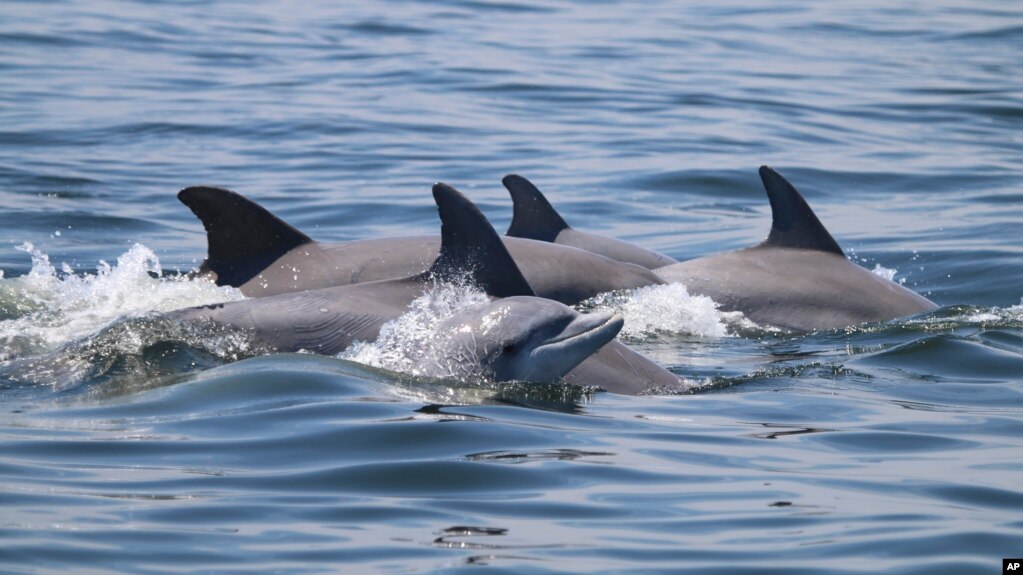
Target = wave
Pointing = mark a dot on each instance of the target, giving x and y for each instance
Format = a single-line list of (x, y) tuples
[(60, 327), (670, 309), (408, 341)]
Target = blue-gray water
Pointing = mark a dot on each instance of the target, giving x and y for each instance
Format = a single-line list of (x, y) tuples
[(894, 448)]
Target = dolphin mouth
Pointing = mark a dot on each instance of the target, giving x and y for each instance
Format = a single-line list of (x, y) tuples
[(580, 339), (595, 329)]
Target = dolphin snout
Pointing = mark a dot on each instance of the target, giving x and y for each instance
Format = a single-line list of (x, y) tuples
[(591, 330)]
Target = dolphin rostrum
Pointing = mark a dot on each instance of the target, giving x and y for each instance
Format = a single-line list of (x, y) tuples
[(257, 252), (528, 337), (518, 338), (799, 278)]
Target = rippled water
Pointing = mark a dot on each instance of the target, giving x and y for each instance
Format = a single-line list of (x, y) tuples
[(890, 448)]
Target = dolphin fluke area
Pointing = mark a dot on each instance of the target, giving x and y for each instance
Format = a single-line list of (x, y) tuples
[(243, 237), (793, 223)]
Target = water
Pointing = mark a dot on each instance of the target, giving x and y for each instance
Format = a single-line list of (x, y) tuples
[(889, 448)]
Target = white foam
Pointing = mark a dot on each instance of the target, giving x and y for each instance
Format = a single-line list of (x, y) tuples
[(407, 343), (887, 273), (668, 309), (994, 315), (983, 317), (46, 309), (991, 317)]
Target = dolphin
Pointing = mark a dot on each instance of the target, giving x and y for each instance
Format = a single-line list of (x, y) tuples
[(797, 279), (527, 337), (517, 338), (534, 218), (251, 249)]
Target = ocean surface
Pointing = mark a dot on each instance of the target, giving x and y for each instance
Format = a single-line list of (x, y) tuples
[(888, 448)]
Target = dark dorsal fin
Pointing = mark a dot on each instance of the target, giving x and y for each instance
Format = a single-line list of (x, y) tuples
[(534, 217), (469, 246), (243, 238), (794, 224)]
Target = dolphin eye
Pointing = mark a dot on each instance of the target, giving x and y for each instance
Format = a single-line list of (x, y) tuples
[(509, 348)]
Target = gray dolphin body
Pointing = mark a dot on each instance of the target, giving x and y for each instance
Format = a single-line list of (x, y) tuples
[(534, 218), (796, 289), (799, 278), (520, 338), (253, 250), (550, 338)]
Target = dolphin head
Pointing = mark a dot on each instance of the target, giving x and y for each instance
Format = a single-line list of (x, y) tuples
[(522, 338)]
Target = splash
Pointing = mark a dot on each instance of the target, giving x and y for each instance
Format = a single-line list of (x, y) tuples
[(134, 353), (46, 309), (407, 343), (996, 317), (951, 318), (878, 270), (887, 273), (668, 309)]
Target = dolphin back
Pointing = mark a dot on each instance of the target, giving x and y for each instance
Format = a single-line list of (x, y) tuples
[(534, 218), (469, 246), (243, 238), (793, 223)]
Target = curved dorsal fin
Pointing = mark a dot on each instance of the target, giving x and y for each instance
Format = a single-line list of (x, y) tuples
[(794, 224), (242, 237), (470, 246), (533, 217)]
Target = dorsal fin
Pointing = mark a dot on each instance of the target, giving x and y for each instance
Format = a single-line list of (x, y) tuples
[(794, 224), (243, 238), (470, 246), (533, 217)]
